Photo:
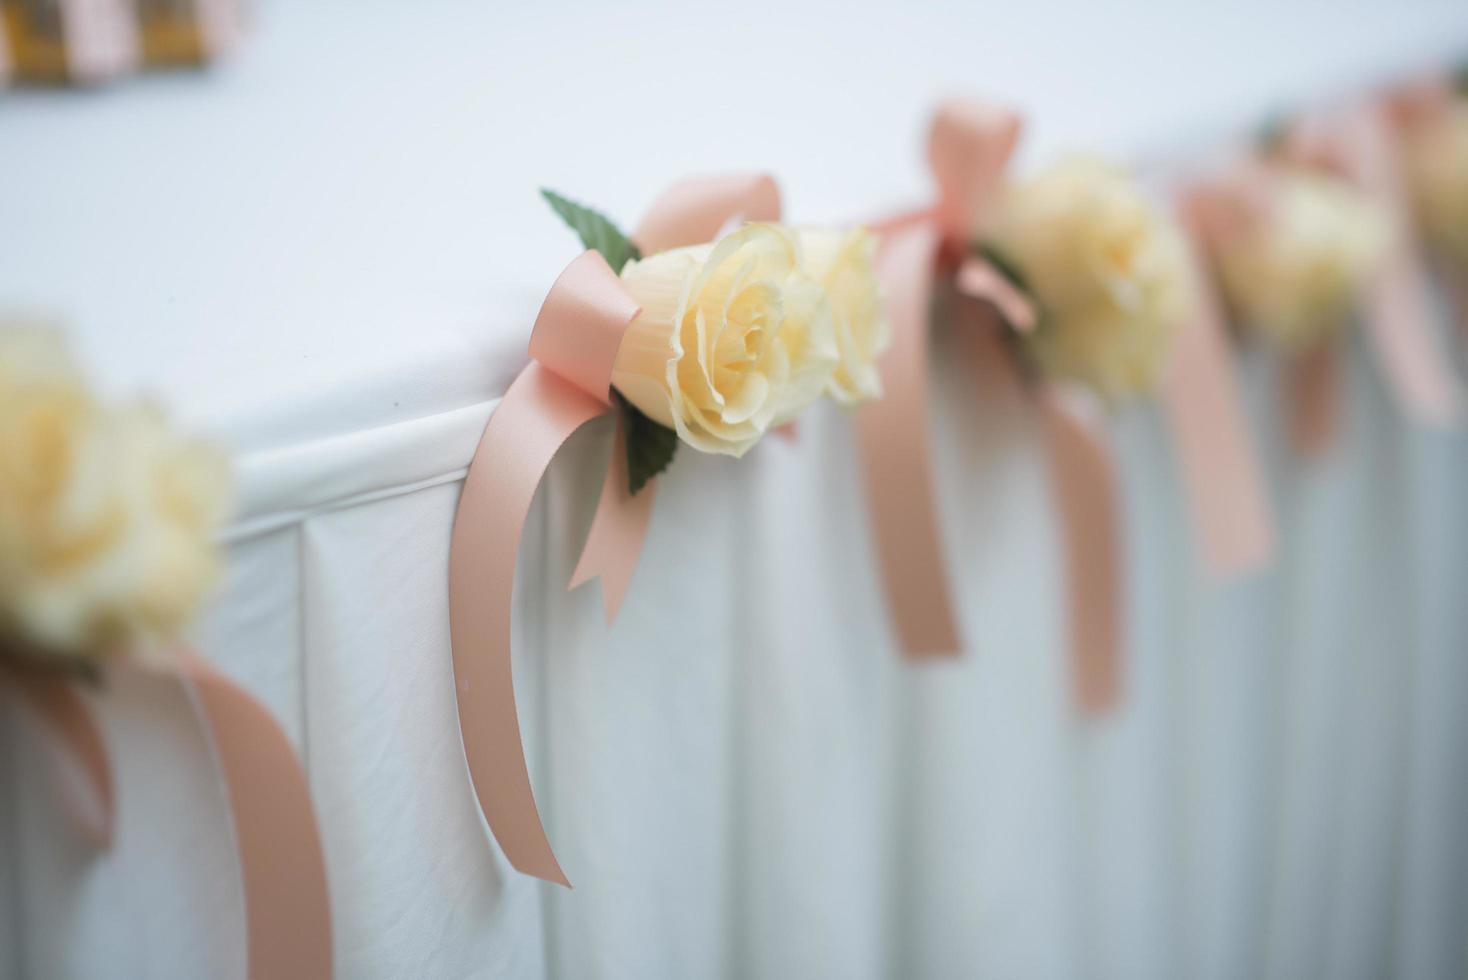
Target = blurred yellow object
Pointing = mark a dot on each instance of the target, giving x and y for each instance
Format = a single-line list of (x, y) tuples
[(69, 41), (187, 32)]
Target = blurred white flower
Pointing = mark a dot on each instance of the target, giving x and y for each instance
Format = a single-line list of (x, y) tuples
[(841, 261), (1296, 267), (1106, 268), (106, 518)]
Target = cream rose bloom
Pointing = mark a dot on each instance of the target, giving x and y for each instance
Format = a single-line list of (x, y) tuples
[(733, 338), (841, 261), (1294, 272), (1106, 269), (1437, 169), (106, 519)]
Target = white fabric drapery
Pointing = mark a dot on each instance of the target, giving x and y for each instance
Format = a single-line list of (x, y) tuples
[(741, 776)]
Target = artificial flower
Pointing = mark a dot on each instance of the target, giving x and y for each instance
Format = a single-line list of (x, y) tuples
[(841, 261), (733, 338), (1296, 264), (107, 519), (1106, 269)]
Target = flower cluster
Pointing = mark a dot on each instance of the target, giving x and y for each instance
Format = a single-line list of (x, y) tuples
[(1106, 269), (741, 335), (1296, 266), (106, 518)]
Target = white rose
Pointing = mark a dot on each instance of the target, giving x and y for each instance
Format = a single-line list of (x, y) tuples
[(841, 261), (1106, 269), (1437, 169), (1295, 268), (733, 339), (106, 519)]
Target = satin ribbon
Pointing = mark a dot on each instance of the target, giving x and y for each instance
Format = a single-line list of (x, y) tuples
[(1359, 145), (968, 149), (282, 867), (1221, 472), (573, 347)]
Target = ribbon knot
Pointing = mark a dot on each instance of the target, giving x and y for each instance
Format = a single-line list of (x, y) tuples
[(969, 147)]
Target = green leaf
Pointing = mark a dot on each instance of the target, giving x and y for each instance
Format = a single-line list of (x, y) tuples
[(1005, 266), (1460, 80), (650, 446), (595, 229)]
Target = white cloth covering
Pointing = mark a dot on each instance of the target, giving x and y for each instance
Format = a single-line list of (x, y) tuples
[(327, 254)]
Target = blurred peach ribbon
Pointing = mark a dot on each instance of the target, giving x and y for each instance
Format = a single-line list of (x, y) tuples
[(573, 347), (969, 146), (1215, 450), (1358, 143), (282, 867)]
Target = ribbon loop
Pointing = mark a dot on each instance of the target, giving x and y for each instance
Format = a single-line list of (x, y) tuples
[(969, 146), (696, 209), (581, 323)]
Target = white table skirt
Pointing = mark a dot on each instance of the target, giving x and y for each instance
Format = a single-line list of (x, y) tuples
[(742, 779), (740, 776)]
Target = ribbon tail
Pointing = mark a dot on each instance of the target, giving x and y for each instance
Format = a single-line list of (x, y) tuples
[(287, 903), (80, 766), (1210, 437), (893, 430), (537, 414), (1399, 303), (1400, 321), (1087, 501), (618, 531), (1313, 396)]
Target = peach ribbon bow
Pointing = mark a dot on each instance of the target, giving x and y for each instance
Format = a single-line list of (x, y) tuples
[(287, 905), (573, 347), (1359, 144), (969, 147)]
